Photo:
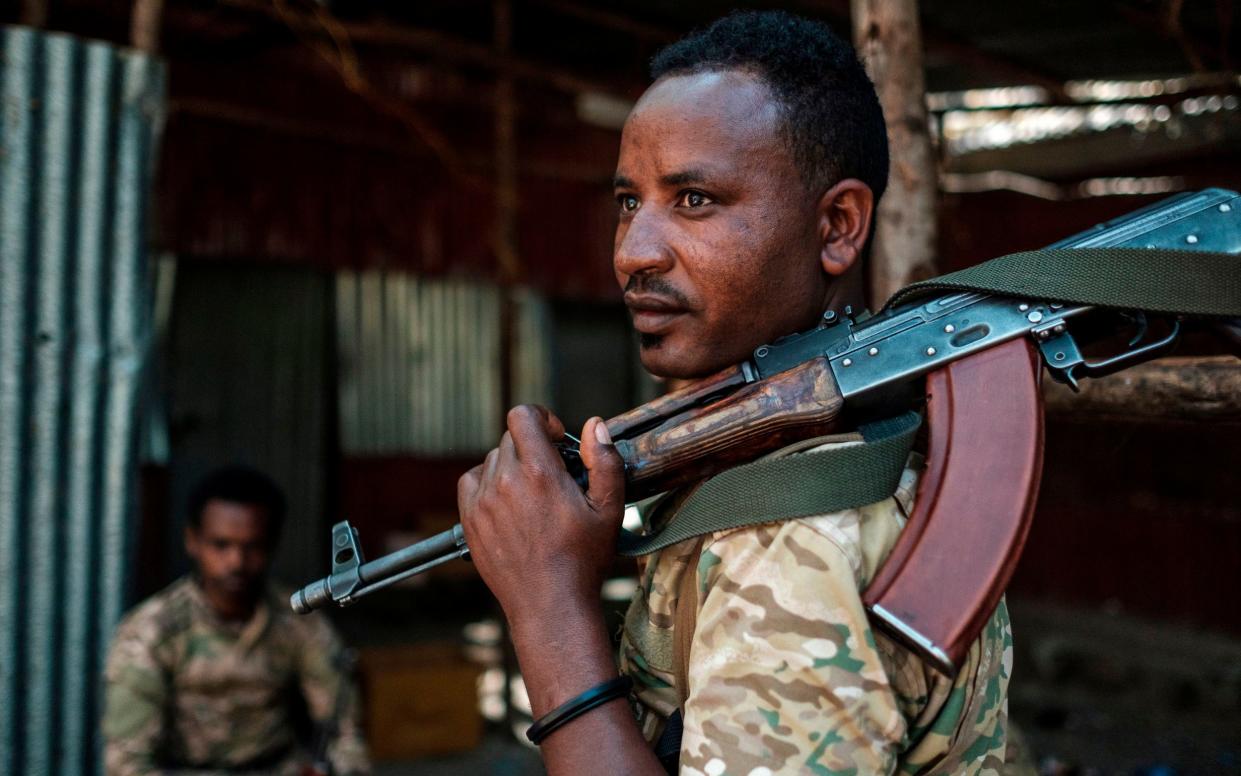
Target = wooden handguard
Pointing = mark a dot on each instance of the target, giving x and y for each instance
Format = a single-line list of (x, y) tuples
[(748, 421), (948, 569)]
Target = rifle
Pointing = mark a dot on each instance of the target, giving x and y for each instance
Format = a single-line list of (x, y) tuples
[(981, 354), (326, 731)]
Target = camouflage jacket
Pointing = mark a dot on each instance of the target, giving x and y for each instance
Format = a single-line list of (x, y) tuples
[(186, 691), (786, 674)]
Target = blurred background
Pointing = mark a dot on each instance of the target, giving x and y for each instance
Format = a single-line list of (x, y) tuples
[(335, 240)]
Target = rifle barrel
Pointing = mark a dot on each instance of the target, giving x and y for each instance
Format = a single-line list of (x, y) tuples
[(383, 571)]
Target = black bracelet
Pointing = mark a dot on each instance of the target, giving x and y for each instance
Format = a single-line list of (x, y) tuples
[(575, 707)]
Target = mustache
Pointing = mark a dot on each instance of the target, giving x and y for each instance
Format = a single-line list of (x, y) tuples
[(656, 285)]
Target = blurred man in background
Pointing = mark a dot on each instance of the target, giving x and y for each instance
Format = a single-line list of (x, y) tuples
[(212, 672)]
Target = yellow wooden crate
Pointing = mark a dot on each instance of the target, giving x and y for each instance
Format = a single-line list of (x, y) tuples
[(421, 700)]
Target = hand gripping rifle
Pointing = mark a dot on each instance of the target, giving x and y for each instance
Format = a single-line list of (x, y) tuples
[(979, 337)]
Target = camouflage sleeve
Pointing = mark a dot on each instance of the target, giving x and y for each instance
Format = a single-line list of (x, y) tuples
[(784, 675), (323, 677), (135, 694)]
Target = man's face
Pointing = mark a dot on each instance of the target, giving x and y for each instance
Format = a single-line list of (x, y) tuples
[(231, 549), (717, 244)]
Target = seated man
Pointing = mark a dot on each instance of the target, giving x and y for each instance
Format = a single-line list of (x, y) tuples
[(205, 674)]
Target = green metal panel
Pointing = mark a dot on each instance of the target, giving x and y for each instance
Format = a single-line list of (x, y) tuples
[(419, 362), (78, 126)]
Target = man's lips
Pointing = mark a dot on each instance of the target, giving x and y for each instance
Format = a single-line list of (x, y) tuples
[(652, 314), (234, 582)]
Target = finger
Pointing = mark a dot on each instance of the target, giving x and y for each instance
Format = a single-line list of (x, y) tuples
[(490, 463), (605, 468), (530, 430), (467, 491), (552, 424)]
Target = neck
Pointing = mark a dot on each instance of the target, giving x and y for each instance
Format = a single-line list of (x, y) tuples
[(839, 296), (227, 607), (848, 291)]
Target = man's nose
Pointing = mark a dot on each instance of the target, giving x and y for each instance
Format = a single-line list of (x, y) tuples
[(642, 245)]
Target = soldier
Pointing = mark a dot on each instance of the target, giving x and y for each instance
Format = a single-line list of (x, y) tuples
[(206, 674), (746, 184)]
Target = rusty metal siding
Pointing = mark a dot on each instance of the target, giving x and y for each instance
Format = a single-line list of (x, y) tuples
[(78, 124), (420, 363)]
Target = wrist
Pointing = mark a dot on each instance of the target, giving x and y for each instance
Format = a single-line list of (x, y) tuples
[(563, 656), (583, 703), (565, 609)]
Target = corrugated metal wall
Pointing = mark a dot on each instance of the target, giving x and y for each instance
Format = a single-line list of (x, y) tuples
[(249, 383), (532, 346), (78, 123), (419, 363)]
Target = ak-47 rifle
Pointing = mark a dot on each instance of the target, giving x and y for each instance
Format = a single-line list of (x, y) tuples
[(980, 353), (328, 729)]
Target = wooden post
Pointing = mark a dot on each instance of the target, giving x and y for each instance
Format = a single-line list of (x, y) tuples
[(144, 25), (504, 243), (1202, 390), (888, 39), (34, 13), (504, 236)]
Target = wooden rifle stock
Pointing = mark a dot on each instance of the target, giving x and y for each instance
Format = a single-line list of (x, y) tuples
[(678, 439)]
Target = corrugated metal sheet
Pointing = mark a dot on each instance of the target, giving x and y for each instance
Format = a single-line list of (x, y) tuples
[(78, 123), (419, 363), (248, 377), (532, 358)]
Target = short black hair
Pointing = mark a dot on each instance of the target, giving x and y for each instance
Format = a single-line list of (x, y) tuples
[(240, 485), (832, 118)]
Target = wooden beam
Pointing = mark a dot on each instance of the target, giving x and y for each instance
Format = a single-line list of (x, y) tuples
[(612, 21), (1166, 22), (887, 37), (938, 42), (199, 109), (441, 46), (505, 151), (1003, 68), (1203, 390)]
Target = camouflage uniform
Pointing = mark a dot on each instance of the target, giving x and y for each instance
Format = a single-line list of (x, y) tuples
[(187, 690), (786, 674)]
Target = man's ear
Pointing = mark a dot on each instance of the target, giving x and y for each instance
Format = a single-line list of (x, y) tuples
[(845, 212)]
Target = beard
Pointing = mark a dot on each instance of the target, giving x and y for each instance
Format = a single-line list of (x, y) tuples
[(650, 341)]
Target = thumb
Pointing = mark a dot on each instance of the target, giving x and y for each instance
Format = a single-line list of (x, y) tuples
[(604, 466)]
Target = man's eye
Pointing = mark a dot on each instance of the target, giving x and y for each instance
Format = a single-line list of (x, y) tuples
[(628, 202), (694, 199)]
